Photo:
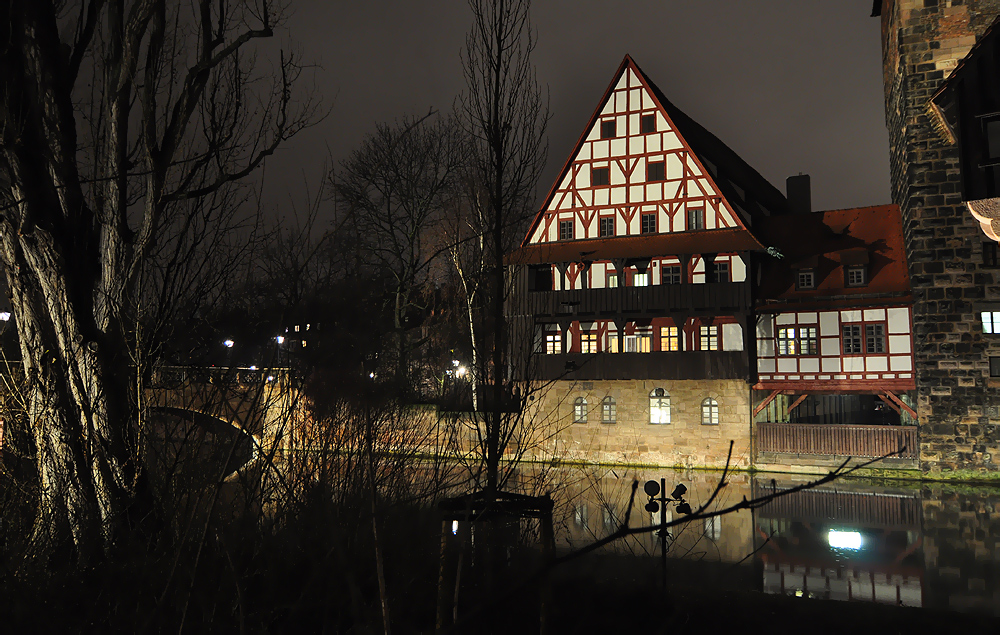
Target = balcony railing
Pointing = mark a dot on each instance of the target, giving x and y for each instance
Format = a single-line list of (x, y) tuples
[(658, 365), (714, 298), (837, 439)]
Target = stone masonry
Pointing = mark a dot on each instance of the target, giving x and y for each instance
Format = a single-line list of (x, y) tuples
[(922, 41), (685, 441)]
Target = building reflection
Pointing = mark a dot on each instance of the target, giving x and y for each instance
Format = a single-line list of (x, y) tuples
[(886, 542)]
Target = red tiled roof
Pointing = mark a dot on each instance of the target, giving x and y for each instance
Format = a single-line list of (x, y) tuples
[(829, 241), (717, 241)]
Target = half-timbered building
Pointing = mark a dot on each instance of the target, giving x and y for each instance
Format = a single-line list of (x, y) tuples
[(835, 370), (634, 278)]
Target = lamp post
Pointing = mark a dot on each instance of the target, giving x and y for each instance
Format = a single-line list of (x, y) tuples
[(658, 499)]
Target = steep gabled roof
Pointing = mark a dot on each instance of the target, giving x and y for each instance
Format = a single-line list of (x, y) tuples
[(742, 188)]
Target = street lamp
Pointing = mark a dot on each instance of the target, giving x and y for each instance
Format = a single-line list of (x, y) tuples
[(228, 343), (280, 339), (658, 500)]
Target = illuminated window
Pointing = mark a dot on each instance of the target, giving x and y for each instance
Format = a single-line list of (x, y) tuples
[(609, 129), (787, 344), (607, 226), (580, 410), (600, 176), (806, 279), (695, 219), (640, 280), (991, 322), (648, 223), (874, 338), (670, 274), (609, 410), (710, 412), (851, 339), (645, 342), (708, 338), (588, 342), (659, 407), (857, 276), (655, 171), (565, 230), (670, 338), (612, 279), (647, 124), (553, 343), (296, 328), (303, 343)]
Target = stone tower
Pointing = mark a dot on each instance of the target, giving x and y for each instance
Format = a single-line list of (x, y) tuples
[(922, 41)]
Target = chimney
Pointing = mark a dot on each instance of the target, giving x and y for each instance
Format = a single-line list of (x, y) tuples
[(798, 192)]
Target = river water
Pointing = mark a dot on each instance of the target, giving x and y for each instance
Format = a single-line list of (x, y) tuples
[(893, 542)]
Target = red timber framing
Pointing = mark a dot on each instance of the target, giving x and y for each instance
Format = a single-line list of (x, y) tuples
[(686, 183)]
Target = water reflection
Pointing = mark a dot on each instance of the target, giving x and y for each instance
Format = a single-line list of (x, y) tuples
[(889, 542)]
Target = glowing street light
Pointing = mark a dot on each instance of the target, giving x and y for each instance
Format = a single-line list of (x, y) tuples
[(4, 316), (280, 339), (461, 371), (228, 343)]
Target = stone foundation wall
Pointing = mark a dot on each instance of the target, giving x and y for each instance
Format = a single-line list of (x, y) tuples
[(685, 441), (923, 41)]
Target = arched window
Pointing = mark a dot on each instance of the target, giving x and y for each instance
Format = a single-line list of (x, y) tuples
[(609, 410), (710, 412), (580, 410), (659, 406)]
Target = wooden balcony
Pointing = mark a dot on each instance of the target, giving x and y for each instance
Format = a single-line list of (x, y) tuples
[(837, 439), (860, 508), (715, 298), (677, 365)]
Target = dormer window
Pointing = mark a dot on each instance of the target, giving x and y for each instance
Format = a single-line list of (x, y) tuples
[(857, 275), (609, 129), (805, 279)]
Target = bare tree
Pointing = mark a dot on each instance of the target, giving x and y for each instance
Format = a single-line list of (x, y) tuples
[(505, 117), (122, 122), (393, 188)]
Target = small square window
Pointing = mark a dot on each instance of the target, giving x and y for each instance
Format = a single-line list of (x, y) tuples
[(857, 276), (989, 253), (588, 342), (670, 274), (647, 124), (553, 344), (609, 129), (600, 176), (695, 219), (607, 226), (565, 230), (806, 279), (609, 410), (649, 223), (655, 171)]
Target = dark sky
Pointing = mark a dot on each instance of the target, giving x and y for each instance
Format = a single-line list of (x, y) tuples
[(791, 85)]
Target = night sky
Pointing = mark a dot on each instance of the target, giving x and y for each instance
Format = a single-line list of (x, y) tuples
[(791, 85)]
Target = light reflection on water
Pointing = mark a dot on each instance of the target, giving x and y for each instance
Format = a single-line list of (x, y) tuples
[(891, 542)]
